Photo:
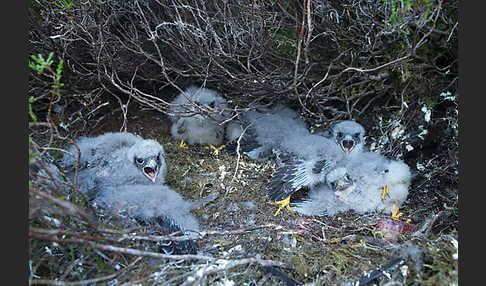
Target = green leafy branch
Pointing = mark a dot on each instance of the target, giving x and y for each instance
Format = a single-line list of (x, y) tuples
[(43, 66), (31, 112), (40, 65), (399, 7), (67, 4), (32, 154)]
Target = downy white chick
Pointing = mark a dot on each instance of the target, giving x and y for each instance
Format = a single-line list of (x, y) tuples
[(198, 113)]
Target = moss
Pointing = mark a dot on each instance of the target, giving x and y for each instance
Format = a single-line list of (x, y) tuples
[(286, 41), (351, 246), (440, 266)]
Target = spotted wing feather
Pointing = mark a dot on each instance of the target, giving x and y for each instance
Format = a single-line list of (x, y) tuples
[(295, 174)]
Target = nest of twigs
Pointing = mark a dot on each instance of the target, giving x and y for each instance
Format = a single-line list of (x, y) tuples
[(389, 66)]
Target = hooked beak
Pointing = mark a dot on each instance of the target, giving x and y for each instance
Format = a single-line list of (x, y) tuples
[(200, 120), (342, 184), (347, 144), (150, 170), (181, 126)]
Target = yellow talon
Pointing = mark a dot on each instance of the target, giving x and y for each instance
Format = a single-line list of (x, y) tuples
[(395, 214), (384, 192), (283, 203), (216, 149), (183, 144)]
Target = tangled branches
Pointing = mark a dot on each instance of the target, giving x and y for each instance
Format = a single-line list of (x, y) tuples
[(335, 59)]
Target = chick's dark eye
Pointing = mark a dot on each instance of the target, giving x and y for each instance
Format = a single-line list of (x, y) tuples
[(139, 160), (339, 134), (356, 135), (211, 104)]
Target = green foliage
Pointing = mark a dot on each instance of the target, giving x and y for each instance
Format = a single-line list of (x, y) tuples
[(428, 3), (32, 154), (400, 7), (66, 4), (58, 84), (42, 65), (35, 9), (285, 38), (31, 112)]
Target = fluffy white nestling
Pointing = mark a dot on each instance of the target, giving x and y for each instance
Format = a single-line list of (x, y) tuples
[(116, 158), (318, 159), (148, 201), (364, 191), (268, 132), (157, 206), (198, 113), (125, 173), (341, 176)]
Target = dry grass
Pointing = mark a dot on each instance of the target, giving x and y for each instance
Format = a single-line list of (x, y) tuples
[(241, 237)]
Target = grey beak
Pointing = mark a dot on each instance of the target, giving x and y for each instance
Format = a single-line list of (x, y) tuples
[(347, 143), (151, 169)]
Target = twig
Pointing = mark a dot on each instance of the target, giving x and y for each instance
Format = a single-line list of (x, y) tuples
[(430, 31), (238, 151), (224, 264), (427, 225), (84, 282), (375, 274), (71, 208), (299, 45), (201, 234), (138, 252), (284, 277), (378, 67)]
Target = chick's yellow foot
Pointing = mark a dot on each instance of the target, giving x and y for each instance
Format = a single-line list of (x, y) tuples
[(384, 192), (285, 203), (395, 214), (216, 149), (183, 144)]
